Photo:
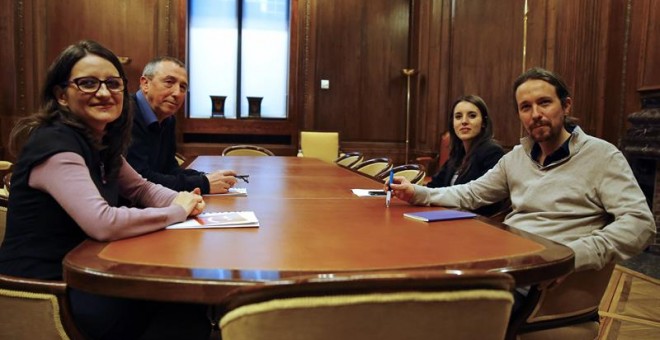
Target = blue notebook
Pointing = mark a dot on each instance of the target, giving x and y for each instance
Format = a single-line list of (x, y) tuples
[(439, 215)]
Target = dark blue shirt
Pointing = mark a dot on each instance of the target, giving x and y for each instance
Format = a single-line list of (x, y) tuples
[(153, 150)]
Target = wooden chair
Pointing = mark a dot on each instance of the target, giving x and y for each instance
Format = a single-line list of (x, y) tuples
[(350, 159), (3, 217), (246, 150), (374, 167), (35, 309), (412, 172), (5, 166), (321, 145), (425, 305), (433, 164), (180, 159), (567, 311), (5, 175)]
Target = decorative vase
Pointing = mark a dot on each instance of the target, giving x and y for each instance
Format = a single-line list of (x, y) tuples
[(218, 106), (254, 107)]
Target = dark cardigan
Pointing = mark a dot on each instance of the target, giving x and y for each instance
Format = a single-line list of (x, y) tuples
[(483, 159)]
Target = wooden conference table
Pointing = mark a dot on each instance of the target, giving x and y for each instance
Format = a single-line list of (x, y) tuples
[(310, 225)]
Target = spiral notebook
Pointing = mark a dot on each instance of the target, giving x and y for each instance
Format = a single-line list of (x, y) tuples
[(439, 215)]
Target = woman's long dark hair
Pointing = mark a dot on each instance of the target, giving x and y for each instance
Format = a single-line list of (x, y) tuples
[(118, 133), (457, 154)]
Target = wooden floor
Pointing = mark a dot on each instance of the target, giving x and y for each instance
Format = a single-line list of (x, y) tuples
[(630, 308)]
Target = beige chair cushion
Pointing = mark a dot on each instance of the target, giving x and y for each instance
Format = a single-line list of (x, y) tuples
[(413, 176), (403, 315), (580, 293), (375, 166), (349, 161), (321, 145), (246, 150), (26, 315), (581, 331)]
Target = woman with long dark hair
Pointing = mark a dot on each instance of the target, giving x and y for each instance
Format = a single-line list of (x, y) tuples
[(67, 183), (472, 149)]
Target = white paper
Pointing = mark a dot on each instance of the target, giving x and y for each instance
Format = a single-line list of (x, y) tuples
[(369, 192), (227, 219), (232, 192)]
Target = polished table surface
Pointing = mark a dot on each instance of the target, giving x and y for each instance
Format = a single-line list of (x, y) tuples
[(310, 225)]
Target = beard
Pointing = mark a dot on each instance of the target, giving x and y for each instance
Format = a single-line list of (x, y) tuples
[(542, 132)]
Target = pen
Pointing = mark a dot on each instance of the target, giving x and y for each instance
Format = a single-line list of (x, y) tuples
[(389, 189), (245, 178)]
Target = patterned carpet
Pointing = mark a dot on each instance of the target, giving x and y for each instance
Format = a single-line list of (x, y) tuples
[(630, 308)]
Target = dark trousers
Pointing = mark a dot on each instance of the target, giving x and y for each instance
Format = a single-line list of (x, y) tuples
[(103, 317)]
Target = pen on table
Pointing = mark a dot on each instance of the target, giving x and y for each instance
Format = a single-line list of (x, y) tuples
[(245, 178), (389, 189)]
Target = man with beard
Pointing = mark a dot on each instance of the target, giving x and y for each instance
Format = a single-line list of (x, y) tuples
[(563, 184), (163, 89)]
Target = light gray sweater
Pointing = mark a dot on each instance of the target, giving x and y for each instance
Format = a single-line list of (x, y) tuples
[(589, 201)]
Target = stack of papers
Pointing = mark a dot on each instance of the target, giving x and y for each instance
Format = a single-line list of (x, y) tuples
[(229, 219)]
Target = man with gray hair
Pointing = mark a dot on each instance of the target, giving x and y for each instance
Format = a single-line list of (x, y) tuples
[(163, 89)]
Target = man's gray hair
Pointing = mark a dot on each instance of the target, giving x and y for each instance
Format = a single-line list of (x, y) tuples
[(150, 68)]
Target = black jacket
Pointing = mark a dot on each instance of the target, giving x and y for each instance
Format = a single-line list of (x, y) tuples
[(483, 159), (152, 154)]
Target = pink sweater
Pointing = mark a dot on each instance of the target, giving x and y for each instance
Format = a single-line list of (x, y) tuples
[(66, 177)]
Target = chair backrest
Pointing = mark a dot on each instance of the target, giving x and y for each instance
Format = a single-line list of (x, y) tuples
[(373, 306), (4, 200), (180, 159), (3, 217), (246, 150), (444, 149), (569, 310), (412, 172), (374, 167), (5, 176), (433, 164), (321, 145), (349, 159), (34, 309)]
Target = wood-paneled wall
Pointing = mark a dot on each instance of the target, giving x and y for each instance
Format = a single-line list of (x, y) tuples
[(605, 49), (36, 31)]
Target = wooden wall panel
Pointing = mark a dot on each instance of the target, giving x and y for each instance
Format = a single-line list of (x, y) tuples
[(613, 114), (580, 67), (606, 50), (38, 30), (650, 67), (361, 48), (432, 81), (486, 56), (8, 70), (637, 35), (338, 47), (136, 29)]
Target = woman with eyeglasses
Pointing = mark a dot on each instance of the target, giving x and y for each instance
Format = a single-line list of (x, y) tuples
[(66, 187)]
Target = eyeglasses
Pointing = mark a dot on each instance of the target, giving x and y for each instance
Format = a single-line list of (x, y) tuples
[(93, 84)]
